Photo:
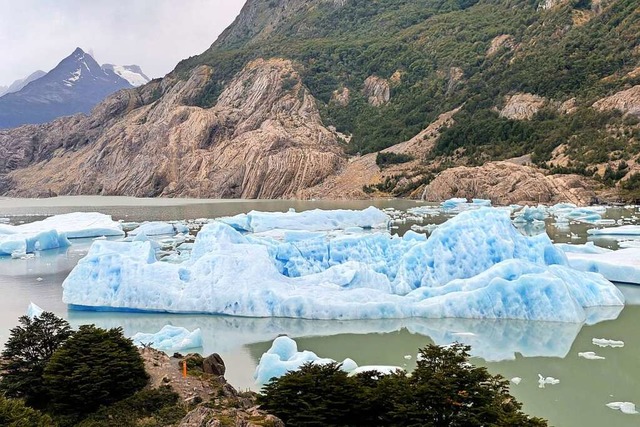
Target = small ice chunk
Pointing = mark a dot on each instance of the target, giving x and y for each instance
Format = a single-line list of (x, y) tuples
[(590, 355), (39, 279), (34, 311), (407, 357), (543, 381), (283, 357), (170, 338), (624, 407), (516, 380), (602, 342)]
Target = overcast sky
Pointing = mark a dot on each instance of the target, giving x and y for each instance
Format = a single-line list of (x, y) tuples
[(155, 34)]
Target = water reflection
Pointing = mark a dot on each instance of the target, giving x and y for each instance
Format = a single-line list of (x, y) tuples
[(491, 340)]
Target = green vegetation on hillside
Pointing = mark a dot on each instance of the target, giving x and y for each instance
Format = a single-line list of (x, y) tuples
[(434, 54)]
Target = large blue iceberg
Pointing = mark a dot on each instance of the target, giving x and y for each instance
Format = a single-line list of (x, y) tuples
[(476, 265)]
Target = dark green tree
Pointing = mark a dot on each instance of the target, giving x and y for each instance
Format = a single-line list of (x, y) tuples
[(95, 367), (14, 413), (444, 390), (27, 352)]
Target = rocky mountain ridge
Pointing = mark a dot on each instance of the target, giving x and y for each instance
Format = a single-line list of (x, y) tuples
[(335, 99)]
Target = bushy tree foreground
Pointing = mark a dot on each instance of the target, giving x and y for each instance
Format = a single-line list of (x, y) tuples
[(445, 390)]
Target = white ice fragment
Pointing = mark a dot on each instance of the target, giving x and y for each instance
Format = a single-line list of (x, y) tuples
[(624, 407), (39, 279), (34, 311), (283, 356), (381, 369), (602, 342), (407, 357), (543, 381), (516, 380), (170, 338), (590, 355)]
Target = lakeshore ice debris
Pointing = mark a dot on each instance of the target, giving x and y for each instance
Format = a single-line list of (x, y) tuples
[(476, 265), (157, 228), (587, 248), (622, 265), (459, 204), (313, 220), (381, 369), (516, 380), (602, 342), (544, 381), (34, 311), (283, 356), (170, 338), (590, 355), (624, 407)]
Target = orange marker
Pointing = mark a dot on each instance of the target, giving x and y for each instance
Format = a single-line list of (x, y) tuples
[(184, 369)]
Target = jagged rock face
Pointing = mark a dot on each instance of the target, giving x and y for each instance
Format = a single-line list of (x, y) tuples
[(522, 106), (502, 41), (341, 97), (506, 183), (627, 101), (377, 91), (259, 141)]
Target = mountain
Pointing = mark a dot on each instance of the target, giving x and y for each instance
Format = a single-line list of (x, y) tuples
[(513, 100), (75, 85), (20, 83), (131, 73)]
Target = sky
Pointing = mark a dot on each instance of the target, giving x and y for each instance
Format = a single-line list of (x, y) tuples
[(155, 34)]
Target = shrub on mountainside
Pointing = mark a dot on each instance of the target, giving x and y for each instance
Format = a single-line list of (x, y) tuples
[(389, 158), (95, 367), (444, 390), (26, 354)]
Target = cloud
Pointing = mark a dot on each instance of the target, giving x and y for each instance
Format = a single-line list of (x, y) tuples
[(155, 34)]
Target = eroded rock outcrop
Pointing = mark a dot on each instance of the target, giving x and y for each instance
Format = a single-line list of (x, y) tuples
[(505, 183), (627, 101), (522, 106), (377, 91), (505, 41), (262, 139)]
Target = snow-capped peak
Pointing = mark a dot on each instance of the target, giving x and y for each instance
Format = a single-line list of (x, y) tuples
[(131, 73)]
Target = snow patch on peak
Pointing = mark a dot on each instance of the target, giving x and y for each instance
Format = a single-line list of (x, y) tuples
[(131, 73)]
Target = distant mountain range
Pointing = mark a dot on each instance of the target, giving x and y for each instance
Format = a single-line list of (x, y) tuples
[(20, 83), (75, 85)]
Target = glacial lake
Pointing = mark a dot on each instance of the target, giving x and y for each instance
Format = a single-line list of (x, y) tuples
[(510, 348)]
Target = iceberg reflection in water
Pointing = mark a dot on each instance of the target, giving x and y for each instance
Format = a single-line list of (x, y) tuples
[(490, 339)]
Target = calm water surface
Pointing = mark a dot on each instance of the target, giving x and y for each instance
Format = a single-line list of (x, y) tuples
[(511, 348)]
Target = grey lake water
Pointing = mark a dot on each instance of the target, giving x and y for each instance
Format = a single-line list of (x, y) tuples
[(511, 348)]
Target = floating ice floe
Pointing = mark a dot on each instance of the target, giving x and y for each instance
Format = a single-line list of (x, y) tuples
[(531, 214), (157, 228), (476, 265), (459, 204), (283, 357), (516, 380), (618, 266), (590, 355), (624, 407), (313, 220), (74, 225), (602, 342), (544, 381), (18, 245), (34, 311), (381, 369), (170, 338), (624, 230)]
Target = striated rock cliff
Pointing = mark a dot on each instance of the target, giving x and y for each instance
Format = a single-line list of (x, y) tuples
[(377, 91), (506, 183), (627, 101), (262, 139)]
